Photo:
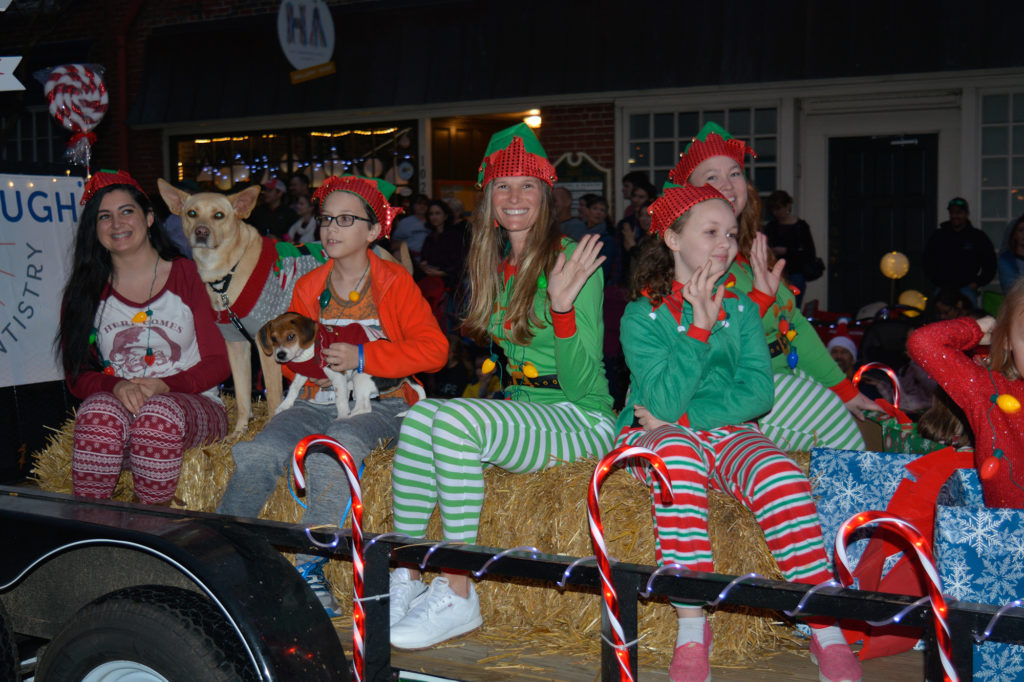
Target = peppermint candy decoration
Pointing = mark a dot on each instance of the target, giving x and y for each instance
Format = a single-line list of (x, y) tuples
[(78, 100)]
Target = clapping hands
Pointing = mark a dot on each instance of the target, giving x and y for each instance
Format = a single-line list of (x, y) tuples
[(700, 292)]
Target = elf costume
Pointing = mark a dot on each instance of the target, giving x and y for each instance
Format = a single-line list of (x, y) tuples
[(810, 389)]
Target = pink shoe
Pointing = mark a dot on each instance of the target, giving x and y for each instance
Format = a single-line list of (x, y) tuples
[(690, 661), (836, 663)]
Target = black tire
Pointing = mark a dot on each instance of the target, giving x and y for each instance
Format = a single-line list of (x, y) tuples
[(9, 663), (176, 633)]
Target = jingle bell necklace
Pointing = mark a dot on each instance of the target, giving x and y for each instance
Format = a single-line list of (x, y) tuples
[(353, 295), (143, 316)]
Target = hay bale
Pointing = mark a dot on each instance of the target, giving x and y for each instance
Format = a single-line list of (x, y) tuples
[(569, 623), (538, 618)]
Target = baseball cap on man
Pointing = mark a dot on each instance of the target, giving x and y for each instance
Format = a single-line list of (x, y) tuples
[(959, 202)]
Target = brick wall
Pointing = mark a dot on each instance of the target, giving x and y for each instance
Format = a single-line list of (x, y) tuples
[(586, 128)]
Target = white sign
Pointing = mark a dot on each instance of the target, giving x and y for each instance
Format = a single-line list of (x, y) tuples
[(7, 79), (38, 216), (306, 32)]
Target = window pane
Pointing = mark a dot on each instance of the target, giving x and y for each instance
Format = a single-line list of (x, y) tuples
[(765, 148), (689, 125), (739, 122), (660, 176), (994, 173), (1018, 140), (993, 203), (995, 140), (663, 125), (994, 229), (1018, 172), (764, 178), (638, 153), (716, 116), (639, 126), (1018, 108), (764, 122), (664, 153), (995, 108)]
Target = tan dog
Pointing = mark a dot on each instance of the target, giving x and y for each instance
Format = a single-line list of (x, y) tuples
[(249, 278), (296, 340)]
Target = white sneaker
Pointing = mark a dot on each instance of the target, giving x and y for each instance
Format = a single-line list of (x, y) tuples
[(404, 593), (439, 615)]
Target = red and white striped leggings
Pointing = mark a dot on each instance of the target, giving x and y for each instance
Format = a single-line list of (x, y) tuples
[(740, 461), (107, 437)]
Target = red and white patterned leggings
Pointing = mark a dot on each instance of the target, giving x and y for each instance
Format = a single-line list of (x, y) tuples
[(107, 437)]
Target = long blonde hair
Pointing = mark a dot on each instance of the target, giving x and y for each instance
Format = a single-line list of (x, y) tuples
[(1010, 309), (489, 247)]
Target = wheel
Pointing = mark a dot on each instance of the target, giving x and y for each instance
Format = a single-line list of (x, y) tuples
[(146, 634), (8, 651)]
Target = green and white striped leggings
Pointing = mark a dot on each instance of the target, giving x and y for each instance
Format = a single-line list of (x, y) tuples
[(808, 414), (444, 445)]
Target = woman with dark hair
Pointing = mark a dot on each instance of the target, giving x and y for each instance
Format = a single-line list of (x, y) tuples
[(442, 259), (790, 237), (139, 344), (810, 389), (537, 296)]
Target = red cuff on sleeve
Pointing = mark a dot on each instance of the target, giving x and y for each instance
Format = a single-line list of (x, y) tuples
[(564, 324), (695, 332), (763, 300), (845, 390), (684, 420)]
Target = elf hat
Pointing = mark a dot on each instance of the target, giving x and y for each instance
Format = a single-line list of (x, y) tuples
[(712, 140), (515, 152), (106, 178), (373, 191), (676, 201)]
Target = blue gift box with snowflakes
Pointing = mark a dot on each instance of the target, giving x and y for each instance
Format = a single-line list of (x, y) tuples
[(979, 552), (847, 482)]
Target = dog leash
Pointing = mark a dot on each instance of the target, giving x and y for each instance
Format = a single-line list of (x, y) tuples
[(224, 282)]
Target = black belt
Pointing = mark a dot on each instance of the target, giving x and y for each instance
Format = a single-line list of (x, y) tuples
[(546, 381), (779, 346)]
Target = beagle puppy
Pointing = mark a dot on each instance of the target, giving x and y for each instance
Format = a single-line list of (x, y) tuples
[(295, 340)]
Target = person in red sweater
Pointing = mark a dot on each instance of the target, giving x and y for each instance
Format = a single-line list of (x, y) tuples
[(139, 344), (942, 350)]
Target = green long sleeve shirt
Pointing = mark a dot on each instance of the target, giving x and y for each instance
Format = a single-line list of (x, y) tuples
[(813, 358), (682, 378), (570, 348)]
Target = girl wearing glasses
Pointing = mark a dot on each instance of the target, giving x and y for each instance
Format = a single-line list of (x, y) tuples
[(354, 287)]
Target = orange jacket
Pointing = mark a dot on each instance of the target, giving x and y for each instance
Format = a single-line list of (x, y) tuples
[(414, 342)]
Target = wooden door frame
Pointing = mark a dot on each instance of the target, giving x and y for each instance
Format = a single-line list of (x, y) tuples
[(821, 119)]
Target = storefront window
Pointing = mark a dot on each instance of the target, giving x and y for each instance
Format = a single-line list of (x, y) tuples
[(224, 162), (656, 139), (1002, 161)]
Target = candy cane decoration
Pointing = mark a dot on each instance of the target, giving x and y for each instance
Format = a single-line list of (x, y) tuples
[(922, 548), (888, 372), (78, 100), (611, 598), (352, 471)]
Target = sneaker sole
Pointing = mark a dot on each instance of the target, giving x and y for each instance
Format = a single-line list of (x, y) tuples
[(462, 632)]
